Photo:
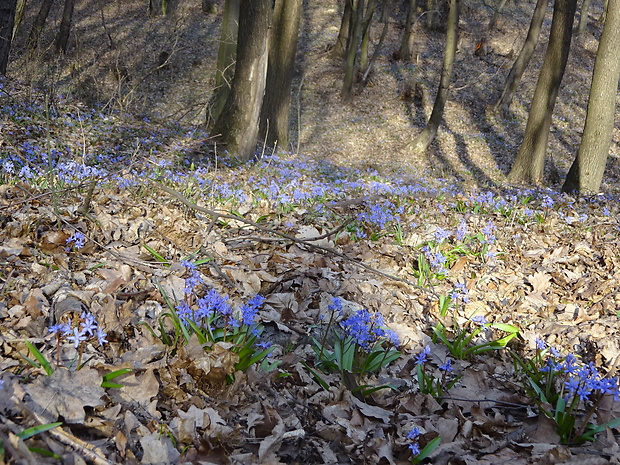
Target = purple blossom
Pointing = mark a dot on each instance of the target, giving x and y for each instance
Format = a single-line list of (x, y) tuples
[(88, 324), (479, 320), (460, 292), (441, 234), (461, 231), (77, 337), (447, 366), (249, 311), (101, 337), (78, 239), (422, 357)]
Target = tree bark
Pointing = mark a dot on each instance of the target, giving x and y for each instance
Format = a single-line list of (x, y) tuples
[(355, 32), (583, 17), (282, 48), (237, 125), (586, 173), (530, 162), (341, 42), (39, 24), (62, 39), (424, 139), (225, 60), (365, 45), (520, 64), (19, 16), (496, 13), (7, 18), (406, 44)]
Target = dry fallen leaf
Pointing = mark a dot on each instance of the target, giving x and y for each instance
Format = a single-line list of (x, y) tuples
[(65, 393)]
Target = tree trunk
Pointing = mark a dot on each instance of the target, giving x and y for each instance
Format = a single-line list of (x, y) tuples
[(355, 32), (496, 14), (282, 48), (604, 13), (424, 139), (406, 44), (225, 60), (518, 68), (529, 165), (586, 173), (237, 125), (7, 18), (39, 23), (370, 11), (583, 17), (62, 39), (386, 23), (20, 9), (341, 42)]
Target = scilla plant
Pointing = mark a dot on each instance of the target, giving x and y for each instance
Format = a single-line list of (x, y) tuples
[(567, 391), (463, 341), (210, 317), (354, 347), (77, 331)]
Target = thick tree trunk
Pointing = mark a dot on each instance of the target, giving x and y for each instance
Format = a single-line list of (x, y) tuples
[(237, 125), (282, 48), (7, 18), (343, 34), (424, 139), (530, 162), (406, 45), (62, 39), (225, 60), (586, 173), (518, 68), (39, 23)]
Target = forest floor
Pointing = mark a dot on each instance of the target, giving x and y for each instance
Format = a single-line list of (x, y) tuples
[(350, 214)]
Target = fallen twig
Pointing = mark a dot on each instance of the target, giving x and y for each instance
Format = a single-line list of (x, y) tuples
[(216, 215)]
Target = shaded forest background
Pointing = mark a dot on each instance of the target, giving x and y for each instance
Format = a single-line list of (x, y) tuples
[(161, 67)]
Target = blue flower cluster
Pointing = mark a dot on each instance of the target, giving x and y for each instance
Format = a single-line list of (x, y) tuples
[(212, 305), (81, 331), (77, 239), (582, 380), (368, 329)]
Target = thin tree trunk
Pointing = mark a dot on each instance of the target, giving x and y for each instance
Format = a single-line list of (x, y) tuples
[(237, 125), (282, 49), (7, 19), (39, 24), (496, 14), (583, 17), (19, 16), (519, 66), (225, 60), (370, 11), (530, 162), (586, 173), (341, 42), (406, 44), (375, 54), (604, 13), (424, 139), (62, 39), (355, 31)]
